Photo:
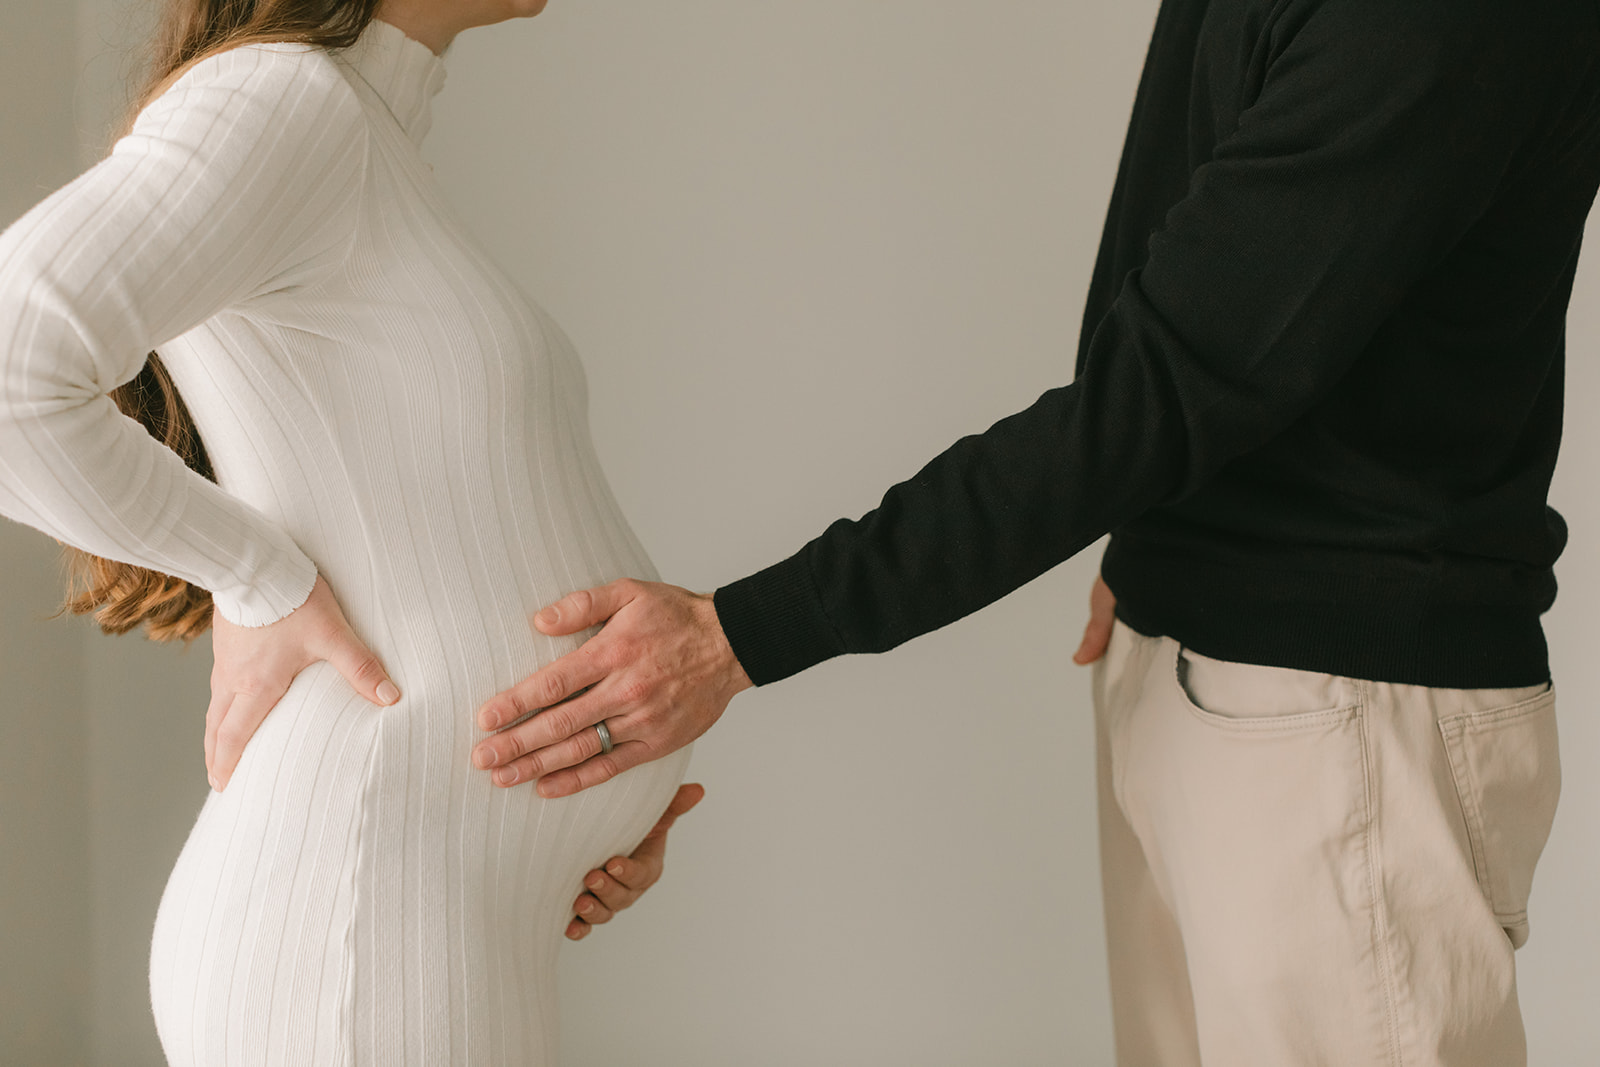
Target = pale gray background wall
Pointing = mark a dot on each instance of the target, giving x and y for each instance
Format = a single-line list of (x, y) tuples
[(802, 247)]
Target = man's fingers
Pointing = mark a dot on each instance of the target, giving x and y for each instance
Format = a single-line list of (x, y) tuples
[(1102, 619), (1096, 636), (577, 750), (361, 669), (593, 771), (550, 685), (585, 608), (561, 735)]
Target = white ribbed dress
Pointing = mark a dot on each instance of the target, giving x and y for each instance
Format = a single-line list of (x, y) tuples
[(382, 405)]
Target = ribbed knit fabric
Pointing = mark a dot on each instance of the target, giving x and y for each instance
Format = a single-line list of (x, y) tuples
[(381, 405)]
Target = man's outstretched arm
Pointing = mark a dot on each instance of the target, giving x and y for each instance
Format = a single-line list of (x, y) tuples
[(1379, 136)]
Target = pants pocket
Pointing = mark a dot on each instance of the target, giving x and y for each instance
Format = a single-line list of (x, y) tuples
[(1507, 772), (1250, 698)]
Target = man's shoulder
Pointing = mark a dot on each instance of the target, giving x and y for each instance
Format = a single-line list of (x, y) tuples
[(1519, 43)]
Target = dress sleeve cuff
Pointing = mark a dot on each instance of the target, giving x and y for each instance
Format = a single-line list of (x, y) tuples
[(775, 621), (274, 594)]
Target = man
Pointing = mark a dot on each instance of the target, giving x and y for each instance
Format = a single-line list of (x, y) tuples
[(1318, 404)]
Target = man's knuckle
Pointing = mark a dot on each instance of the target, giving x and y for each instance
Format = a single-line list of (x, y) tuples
[(634, 691), (515, 704), (564, 723), (548, 689), (516, 746)]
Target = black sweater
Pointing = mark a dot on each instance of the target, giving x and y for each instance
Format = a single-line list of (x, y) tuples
[(1318, 392)]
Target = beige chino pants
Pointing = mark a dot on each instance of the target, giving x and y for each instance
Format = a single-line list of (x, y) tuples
[(1301, 869)]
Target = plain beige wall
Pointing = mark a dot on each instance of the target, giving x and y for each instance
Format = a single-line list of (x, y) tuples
[(44, 840), (804, 247)]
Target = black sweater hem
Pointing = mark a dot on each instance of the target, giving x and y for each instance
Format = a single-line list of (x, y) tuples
[(1377, 618)]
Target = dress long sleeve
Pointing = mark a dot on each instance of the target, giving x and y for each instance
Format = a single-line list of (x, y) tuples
[(1373, 137), (236, 184)]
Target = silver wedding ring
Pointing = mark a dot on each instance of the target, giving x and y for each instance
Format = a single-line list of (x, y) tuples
[(605, 737)]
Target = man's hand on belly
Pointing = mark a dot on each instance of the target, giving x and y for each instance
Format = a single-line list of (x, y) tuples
[(658, 675)]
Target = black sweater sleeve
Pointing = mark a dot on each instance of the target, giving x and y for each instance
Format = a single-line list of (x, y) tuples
[(1378, 134)]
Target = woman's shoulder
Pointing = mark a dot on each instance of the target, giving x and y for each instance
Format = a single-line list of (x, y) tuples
[(281, 83)]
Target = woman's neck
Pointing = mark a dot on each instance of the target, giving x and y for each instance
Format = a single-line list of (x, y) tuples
[(431, 22)]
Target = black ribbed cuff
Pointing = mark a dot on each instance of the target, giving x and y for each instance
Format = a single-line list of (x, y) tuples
[(775, 622)]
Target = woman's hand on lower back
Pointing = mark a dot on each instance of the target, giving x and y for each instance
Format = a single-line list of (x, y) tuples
[(253, 666)]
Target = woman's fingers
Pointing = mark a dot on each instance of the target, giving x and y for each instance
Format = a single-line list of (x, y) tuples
[(683, 801), (610, 891), (236, 727), (356, 662), (215, 712), (626, 878), (255, 666), (592, 911)]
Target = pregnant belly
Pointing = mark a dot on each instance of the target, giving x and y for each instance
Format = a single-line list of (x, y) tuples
[(358, 868)]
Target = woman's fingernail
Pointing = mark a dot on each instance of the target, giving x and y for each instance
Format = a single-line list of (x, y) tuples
[(549, 616), (484, 758), (585, 907), (505, 776), (615, 870), (489, 720), (387, 693), (595, 882)]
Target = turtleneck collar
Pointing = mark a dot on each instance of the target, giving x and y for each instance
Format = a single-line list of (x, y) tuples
[(403, 72)]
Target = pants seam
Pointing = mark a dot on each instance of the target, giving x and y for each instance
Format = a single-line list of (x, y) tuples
[(1382, 949)]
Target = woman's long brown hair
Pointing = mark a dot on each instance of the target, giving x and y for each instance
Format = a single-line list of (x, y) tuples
[(122, 596)]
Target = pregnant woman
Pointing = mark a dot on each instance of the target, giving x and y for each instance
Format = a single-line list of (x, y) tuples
[(400, 453)]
